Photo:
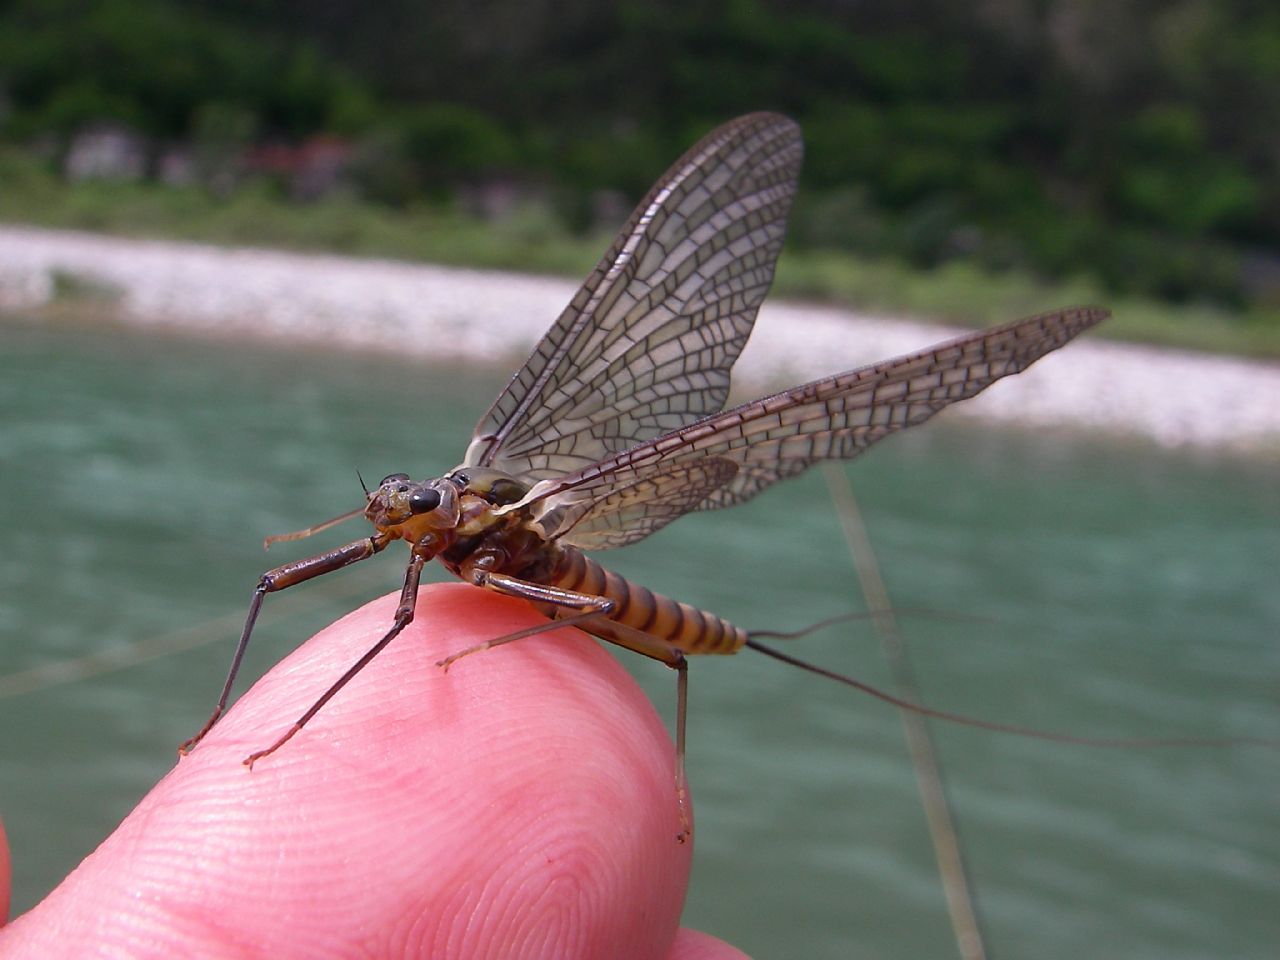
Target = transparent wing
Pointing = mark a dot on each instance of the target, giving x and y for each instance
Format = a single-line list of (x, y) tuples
[(779, 436), (647, 343), (617, 514)]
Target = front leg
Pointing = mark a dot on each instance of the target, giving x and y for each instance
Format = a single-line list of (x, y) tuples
[(422, 553), (279, 578)]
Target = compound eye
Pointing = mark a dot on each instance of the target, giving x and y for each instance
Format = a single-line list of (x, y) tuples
[(394, 477), (424, 501)]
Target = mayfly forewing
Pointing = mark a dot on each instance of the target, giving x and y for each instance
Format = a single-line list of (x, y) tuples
[(840, 416), (837, 417), (647, 344)]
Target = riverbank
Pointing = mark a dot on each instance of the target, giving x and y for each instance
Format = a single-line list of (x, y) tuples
[(447, 314)]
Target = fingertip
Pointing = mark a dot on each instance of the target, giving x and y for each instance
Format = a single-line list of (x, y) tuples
[(526, 796)]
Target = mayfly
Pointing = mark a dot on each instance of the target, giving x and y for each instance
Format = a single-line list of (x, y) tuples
[(613, 427)]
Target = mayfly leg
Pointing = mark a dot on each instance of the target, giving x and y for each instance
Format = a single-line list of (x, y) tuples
[(593, 618), (275, 579), (404, 617), (590, 606), (657, 649)]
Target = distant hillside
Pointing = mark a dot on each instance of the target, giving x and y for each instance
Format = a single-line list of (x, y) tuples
[(1135, 142)]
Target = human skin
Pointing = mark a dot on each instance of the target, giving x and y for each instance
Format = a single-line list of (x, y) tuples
[(520, 805)]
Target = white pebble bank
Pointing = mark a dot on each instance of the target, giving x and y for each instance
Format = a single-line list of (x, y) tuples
[(1175, 398)]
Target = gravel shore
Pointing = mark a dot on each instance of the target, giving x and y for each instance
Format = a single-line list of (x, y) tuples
[(1174, 398)]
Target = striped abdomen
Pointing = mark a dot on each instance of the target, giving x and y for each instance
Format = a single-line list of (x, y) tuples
[(684, 627)]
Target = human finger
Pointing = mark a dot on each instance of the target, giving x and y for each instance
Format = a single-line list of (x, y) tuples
[(521, 804)]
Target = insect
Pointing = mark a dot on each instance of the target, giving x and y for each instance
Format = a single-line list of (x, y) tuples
[(613, 428)]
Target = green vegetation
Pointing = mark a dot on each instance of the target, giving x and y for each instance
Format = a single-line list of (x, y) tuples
[(975, 160)]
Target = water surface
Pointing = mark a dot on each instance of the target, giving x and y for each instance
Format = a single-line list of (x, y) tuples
[(1110, 590)]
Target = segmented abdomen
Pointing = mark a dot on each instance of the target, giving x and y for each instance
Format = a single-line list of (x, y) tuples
[(687, 628)]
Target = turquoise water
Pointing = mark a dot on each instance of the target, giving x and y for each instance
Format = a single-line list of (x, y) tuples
[(1094, 587)]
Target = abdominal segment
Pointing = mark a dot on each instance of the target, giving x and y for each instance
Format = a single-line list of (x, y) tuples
[(684, 627)]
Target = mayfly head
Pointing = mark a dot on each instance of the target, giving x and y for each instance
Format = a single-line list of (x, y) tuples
[(409, 510)]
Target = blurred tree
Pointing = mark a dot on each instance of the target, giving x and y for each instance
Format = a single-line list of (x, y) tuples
[(1135, 139)]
